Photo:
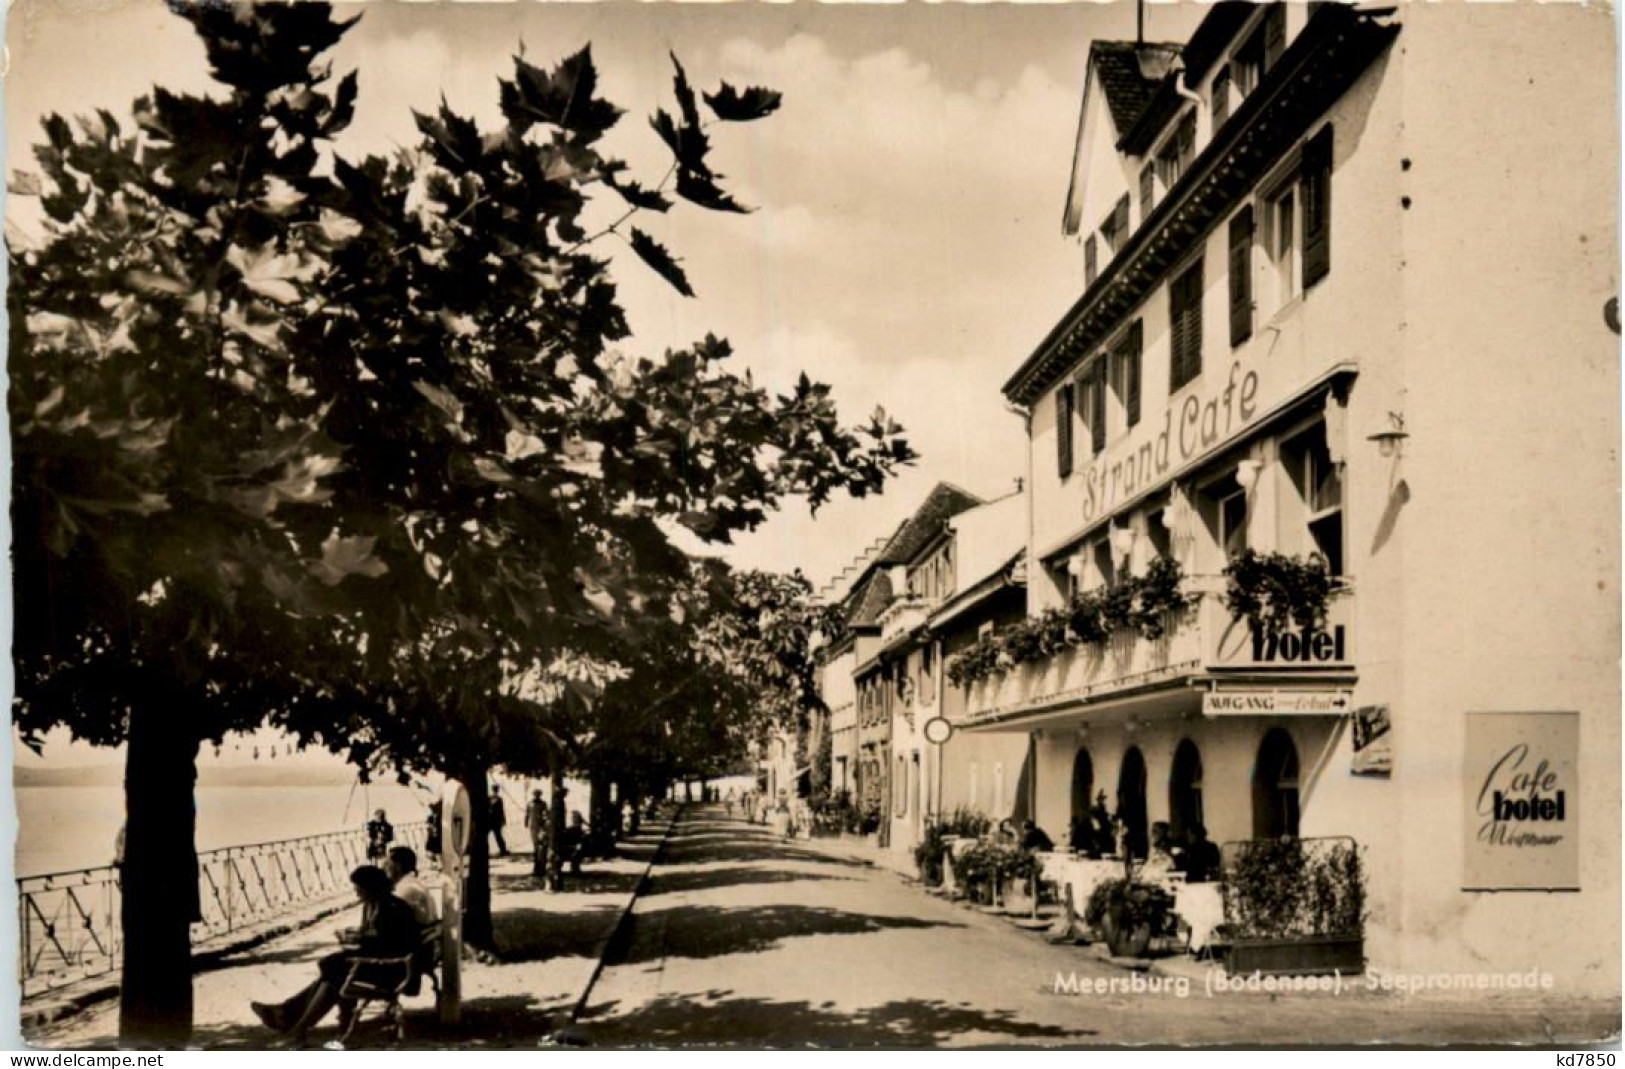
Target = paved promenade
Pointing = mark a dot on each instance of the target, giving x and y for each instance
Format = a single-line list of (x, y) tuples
[(740, 938)]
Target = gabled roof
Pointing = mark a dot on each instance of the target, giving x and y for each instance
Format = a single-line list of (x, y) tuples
[(1129, 74), (943, 503)]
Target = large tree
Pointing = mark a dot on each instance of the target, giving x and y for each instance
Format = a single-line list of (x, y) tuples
[(346, 444)]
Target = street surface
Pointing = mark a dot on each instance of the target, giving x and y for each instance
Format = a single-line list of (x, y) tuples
[(745, 939)]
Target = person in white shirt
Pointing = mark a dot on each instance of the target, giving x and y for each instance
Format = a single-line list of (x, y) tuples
[(402, 866)]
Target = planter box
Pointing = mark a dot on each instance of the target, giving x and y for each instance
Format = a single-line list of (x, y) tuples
[(1306, 956)]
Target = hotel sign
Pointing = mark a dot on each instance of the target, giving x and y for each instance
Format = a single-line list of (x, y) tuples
[(1275, 702), (1236, 644), (1523, 802)]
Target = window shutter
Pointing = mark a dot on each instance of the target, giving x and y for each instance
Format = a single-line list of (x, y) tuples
[(1241, 276), (1131, 346), (1274, 35), (1063, 430), (1186, 140), (1185, 316), (1221, 97), (1317, 207), (1120, 221), (1148, 190), (1089, 266), (1097, 407)]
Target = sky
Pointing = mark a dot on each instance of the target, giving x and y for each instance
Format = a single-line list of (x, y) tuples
[(906, 246)]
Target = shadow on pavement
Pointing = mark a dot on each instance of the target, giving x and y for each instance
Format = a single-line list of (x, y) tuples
[(540, 934), (674, 882), (588, 883), (504, 1021), (681, 853), (753, 1022), (713, 931)]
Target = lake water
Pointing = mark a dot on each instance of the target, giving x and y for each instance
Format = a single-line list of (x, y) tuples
[(60, 828)]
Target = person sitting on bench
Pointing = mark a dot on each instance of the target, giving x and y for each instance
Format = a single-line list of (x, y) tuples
[(388, 929)]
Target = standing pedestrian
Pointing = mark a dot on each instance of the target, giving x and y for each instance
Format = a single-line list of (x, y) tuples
[(536, 814), (380, 833), (499, 820)]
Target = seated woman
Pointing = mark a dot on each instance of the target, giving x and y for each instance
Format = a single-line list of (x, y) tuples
[(1161, 862), (388, 929)]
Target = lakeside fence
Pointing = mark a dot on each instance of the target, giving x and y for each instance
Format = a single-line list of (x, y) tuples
[(68, 922)]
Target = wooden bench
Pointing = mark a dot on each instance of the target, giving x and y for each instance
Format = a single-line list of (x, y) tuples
[(389, 979)]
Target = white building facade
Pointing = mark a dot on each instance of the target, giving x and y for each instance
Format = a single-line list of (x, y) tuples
[(1346, 278)]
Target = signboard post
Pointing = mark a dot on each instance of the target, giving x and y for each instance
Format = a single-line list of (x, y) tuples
[(456, 831), (938, 730)]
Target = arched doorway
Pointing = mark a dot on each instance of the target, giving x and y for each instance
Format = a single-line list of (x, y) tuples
[(1185, 791), (1275, 787), (1083, 788), (1131, 802)]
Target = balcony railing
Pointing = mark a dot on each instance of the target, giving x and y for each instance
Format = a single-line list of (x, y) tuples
[(69, 922), (1204, 640)]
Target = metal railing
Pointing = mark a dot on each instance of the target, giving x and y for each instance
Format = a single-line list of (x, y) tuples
[(68, 922)]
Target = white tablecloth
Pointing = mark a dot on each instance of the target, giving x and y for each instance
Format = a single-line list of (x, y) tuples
[(1201, 906), (1081, 874)]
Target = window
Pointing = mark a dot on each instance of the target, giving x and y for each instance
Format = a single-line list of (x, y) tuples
[(1185, 791), (1275, 787), (928, 680), (1241, 276), (1220, 98), (1125, 372), (1148, 190), (1261, 50), (1090, 268), (1319, 484), (1317, 207), (1115, 229), (1063, 430), (900, 789), (1100, 556), (1178, 151), (1282, 237), (1185, 327), (1232, 532)]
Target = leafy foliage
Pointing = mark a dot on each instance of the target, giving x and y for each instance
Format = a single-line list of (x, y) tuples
[(1147, 604), (1289, 888), (1274, 592)]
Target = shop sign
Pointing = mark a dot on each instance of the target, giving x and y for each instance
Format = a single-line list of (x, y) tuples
[(1523, 802), (1275, 702), (1373, 742), (1191, 429), (1237, 644)]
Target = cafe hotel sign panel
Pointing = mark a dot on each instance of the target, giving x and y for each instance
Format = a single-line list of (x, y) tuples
[(1523, 802)]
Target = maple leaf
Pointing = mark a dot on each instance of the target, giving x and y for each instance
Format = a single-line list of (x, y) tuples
[(266, 273), (730, 105), (655, 255), (344, 556)]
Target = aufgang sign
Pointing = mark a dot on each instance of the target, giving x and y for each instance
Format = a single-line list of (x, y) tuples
[(1523, 802), (1196, 427)]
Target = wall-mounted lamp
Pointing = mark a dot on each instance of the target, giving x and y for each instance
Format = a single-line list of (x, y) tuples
[(1247, 473), (1074, 566), (1083, 731), (1130, 726), (1391, 442)]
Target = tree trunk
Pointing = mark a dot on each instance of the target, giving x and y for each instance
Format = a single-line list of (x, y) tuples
[(555, 827), (159, 877), (478, 931), (598, 807)]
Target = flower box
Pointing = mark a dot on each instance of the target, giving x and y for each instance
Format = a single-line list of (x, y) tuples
[(1297, 956)]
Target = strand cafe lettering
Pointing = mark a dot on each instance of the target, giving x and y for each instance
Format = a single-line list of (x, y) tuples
[(1201, 425), (1512, 795)]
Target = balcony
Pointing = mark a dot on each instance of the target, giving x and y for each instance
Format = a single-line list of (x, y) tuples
[(902, 616), (1204, 644)]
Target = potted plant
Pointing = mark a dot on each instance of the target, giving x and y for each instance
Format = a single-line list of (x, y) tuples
[(1274, 592), (1295, 907), (1125, 913)]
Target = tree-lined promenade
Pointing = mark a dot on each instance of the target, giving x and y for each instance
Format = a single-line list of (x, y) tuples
[(355, 447)]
